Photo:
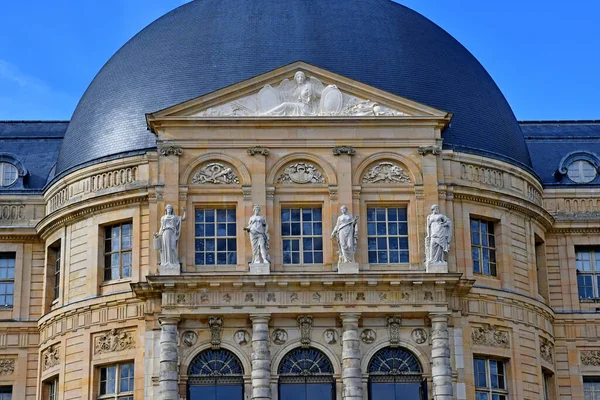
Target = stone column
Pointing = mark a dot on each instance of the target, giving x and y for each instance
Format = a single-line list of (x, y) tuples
[(441, 370), (351, 371), (169, 359), (261, 357)]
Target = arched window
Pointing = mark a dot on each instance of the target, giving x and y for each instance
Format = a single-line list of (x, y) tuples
[(215, 375), (394, 374), (306, 374), (8, 174)]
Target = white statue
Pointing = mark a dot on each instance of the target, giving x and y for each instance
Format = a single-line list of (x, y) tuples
[(168, 237), (299, 98), (345, 232), (259, 237), (439, 234)]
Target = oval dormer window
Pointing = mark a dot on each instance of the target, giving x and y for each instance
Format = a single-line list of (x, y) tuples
[(8, 174), (581, 171)]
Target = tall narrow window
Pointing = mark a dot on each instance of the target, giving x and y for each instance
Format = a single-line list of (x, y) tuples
[(57, 259), (51, 389), (215, 237), (483, 247), (587, 261), (116, 382), (117, 251), (490, 379), (5, 392), (387, 231), (7, 278), (302, 233)]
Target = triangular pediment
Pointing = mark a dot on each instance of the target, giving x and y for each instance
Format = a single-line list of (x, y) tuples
[(298, 90)]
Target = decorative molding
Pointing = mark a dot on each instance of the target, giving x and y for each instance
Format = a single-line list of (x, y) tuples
[(483, 175), (12, 212), (215, 173), (7, 366), (305, 324), (171, 151), (114, 340), (339, 150), (534, 195), (91, 184), (386, 172), (563, 165), (546, 350), (215, 325), (489, 335), (368, 336), (419, 335), (590, 357), (189, 338), (433, 150), (263, 151), (279, 336), (301, 173), (51, 357), (393, 324)]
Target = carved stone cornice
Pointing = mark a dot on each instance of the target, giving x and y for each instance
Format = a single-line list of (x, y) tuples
[(263, 151), (170, 151), (113, 340), (489, 335), (339, 150), (433, 150)]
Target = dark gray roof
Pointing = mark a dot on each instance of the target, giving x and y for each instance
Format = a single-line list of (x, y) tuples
[(550, 141), (36, 144), (206, 45)]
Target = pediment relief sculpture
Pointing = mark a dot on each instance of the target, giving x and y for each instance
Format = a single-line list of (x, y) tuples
[(386, 172), (301, 173), (215, 173), (302, 97)]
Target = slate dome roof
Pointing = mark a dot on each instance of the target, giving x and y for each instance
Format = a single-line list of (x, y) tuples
[(206, 45)]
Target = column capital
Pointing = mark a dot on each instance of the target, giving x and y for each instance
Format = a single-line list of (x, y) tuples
[(169, 321), (441, 316), (350, 317), (258, 318)]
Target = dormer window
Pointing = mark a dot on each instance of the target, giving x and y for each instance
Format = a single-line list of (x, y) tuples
[(8, 174), (581, 171)]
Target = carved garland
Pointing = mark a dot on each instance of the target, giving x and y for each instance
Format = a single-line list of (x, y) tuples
[(488, 335), (114, 340), (386, 172), (215, 173), (590, 357)]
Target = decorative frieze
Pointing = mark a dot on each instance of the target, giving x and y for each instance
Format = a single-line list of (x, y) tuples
[(94, 183), (170, 151), (301, 173), (12, 212), (590, 358), (339, 150), (215, 173), (7, 366), (114, 340), (264, 151), (483, 175), (386, 172), (215, 324), (489, 335), (546, 349), (51, 357), (305, 325), (393, 325), (534, 195)]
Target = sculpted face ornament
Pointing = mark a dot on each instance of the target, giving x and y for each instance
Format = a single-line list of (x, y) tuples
[(279, 336), (330, 336), (368, 336), (241, 337)]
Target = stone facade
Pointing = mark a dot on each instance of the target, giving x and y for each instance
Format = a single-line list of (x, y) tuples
[(161, 322)]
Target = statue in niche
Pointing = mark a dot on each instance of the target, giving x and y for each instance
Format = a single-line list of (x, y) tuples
[(345, 232), (439, 234), (167, 239), (259, 237)]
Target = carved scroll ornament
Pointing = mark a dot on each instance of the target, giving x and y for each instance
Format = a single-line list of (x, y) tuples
[(386, 172), (301, 173), (217, 174), (488, 335), (114, 340)]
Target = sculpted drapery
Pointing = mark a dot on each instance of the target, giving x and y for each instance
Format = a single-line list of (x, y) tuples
[(259, 237), (170, 230), (345, 232), (439, 234)]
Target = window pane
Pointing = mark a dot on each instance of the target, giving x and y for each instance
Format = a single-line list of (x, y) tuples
[(215, 237), (387, 235)]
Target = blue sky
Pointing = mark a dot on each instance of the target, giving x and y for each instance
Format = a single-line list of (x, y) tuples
[(544, 55)]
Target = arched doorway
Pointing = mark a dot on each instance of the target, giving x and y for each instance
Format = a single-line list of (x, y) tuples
[(215, 375), (394, 374), (306, 374)]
